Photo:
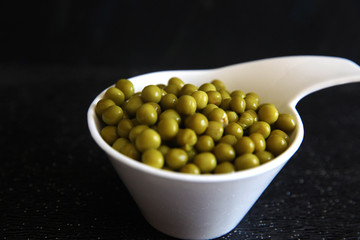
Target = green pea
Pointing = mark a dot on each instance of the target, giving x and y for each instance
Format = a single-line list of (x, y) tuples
[(151, 93), (224, 152), (218, 84), (190, 168), (176, 158), (286, 122), (237, 104), (169, 101), (214, 97), (187, 89), (224, 167), (252, 102), (112, 115), (120, 143), (170, 113), (264, 156), (168, 128), (205, 143), (229, 139), (232, 116), (172, 88), (238, 93), (259, 141), (234, 129), (215, 130), (153, 158), (133, 104), (197, 122), (282, 134), (102, 105), (126, 87), (177, 82), (115, 94), (130, 150), (244, 145), (186, 105), (109, 134), (260, 127), (147, 139), (206, 111), (206, 162), (124, 127), (207, 87), (187, 137), (246, 161), (135, 131), (219, 115), (268, 113), (276, 144), (245, 120), (201, 99), (146, 114)]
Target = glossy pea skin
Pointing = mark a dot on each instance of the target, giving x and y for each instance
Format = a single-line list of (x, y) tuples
[(219, 115), (190, 168), (112, 115), (259, 141), (157, 107), (207, 87), (124, 127), (197, 122), (234, 129), (246, 161), (170, 113), (131, 151), (169, 101), (282, 134), (187, 137), (224, 167), (151, 93), (229, 139), (102, 105), (224, 152), (237, 104), (238, 93), (119, 143), (264, 156), (109, 134), (135, 131), (276, 144), (268, 113), (146, 114), (206, 111), (214, 97), (133, 104), (168, 128), (285, 122), (232, 116), (187, 89), (201, 99), (186, 105), (149, 138), (115, 94), (261, 127), (205, 143), (172, 88), (219, 85), (177, 82), (153, 157), (225, 104), (224, 93), (176, 158), (126, 87), (245, 120), (244, 145), (206, 162), (252, 102), (215, 130)]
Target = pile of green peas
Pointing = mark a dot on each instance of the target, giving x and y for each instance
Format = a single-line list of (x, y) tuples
[(197, 130)]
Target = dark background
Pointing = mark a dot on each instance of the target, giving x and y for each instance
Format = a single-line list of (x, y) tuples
[(56, 56)]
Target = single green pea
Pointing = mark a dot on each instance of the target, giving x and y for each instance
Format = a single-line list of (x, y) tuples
[(252, 102), (190, 168), (218, 84), (177, 82), (169, 101), (172, 88), (225, 104), (214, 97), (109, 134), (224, 167), (170, 113), (176, 158), (187, 89), (253, 114), (215, 130), (207, 87), (206, 111), (224, 152), (276, 144), (232, 116), (102, 105), (245, 120), (130, 150), (126, 87), (133, 104), (238, 93), (119, 143), (151, 93), (264, 156), (282, 134), (147, 139), (205, 143), (259, 141), (234, 129), (219, 115), (224, 93), (246, 161), (124, 127), (229, 139), (237, 104), (112, 115), (261, 127), (153, 158), (146, 114), (168, 128), (187, 137), (206, 161), (285, 122), (201, 99), (268, 113), (115, 94), (186, 105), (156, 106), (197, 122), (244, 145)]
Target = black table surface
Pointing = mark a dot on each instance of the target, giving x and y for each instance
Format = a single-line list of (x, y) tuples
[(55, 183)]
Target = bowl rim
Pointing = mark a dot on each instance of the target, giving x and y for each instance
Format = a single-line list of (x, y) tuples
[(278, 161)]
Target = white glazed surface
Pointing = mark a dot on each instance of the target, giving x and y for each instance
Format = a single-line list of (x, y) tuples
[(205, 207)]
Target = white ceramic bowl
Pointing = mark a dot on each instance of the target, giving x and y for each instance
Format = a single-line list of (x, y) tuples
[(208, 206)]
